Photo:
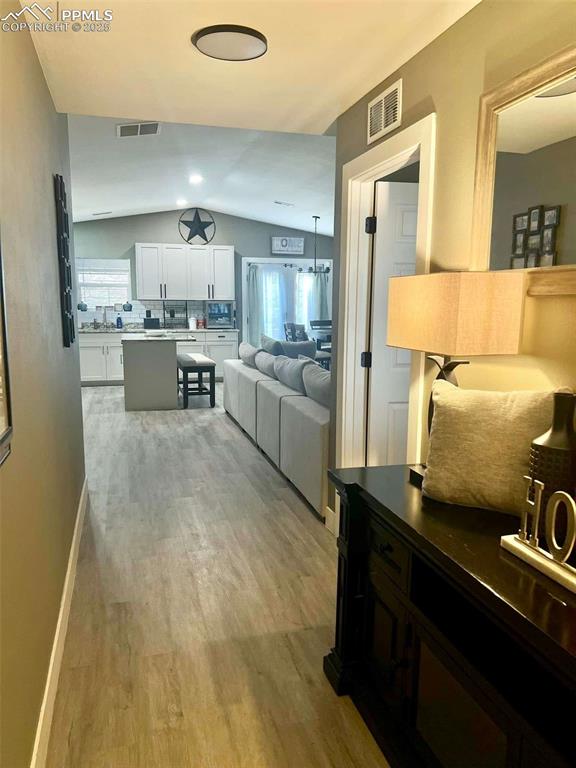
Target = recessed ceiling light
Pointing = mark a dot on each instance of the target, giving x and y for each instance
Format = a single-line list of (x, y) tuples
[(195, 178), (181, 202), (230, 42)]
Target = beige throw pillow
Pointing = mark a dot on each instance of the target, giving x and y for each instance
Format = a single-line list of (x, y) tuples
[(480, 445)]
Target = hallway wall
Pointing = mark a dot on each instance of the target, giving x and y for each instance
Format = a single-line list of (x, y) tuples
[(41, 481), (491, 44)]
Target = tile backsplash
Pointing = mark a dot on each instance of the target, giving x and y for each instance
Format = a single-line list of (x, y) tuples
[(135, 318)]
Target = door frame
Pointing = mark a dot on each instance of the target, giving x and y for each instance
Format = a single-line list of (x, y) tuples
[(418, 141)]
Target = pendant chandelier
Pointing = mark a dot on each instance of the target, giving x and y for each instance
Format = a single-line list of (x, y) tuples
[(317, 270)]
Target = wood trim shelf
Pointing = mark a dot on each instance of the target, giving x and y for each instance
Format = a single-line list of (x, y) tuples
[(552, 281)]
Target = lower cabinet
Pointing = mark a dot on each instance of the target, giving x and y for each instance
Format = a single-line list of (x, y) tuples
[(101, 358), (220, 351), (114, 362), (101, 355), (92, 362)]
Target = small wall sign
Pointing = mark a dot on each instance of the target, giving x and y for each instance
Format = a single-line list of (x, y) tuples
[(293, 246)]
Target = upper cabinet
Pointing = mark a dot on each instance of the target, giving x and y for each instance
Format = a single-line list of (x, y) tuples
[(222, 272), (149, 283), (194, 272), (199, 276)]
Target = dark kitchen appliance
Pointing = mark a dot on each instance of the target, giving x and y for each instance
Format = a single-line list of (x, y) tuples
[(220, 314), (151, 323)]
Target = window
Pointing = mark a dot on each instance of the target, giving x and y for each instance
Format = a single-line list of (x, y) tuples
[(103, 282)]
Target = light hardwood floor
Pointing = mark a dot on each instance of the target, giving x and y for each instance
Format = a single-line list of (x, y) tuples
[(203, 605)]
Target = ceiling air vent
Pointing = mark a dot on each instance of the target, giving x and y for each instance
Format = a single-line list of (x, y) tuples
[(385, 112), (137, 129)]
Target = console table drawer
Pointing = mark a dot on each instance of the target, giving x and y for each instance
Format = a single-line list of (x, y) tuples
[(388, 555)]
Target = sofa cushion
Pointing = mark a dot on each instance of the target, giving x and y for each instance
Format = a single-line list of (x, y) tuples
[(289, 372), (231, 370), (265, 363), (270, 345), (317, 384), (248, 379), (480, 445), (247, 354), (295, 348), (270, 396), (304, 429)]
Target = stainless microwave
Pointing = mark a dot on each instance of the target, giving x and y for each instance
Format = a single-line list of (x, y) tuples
[(220, 314)]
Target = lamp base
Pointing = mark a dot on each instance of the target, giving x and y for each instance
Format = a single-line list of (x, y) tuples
[(446, 373), (416, 474)]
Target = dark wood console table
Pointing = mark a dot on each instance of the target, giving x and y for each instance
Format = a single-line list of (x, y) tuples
[(456, 653)]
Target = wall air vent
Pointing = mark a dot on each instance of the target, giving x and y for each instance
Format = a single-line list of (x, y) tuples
[(137, 129), (385, 112)]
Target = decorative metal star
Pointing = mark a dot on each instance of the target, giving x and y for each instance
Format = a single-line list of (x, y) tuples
[(196, 227)]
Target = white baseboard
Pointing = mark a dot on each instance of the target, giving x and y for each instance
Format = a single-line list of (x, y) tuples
[(47, 708), (332, 521)]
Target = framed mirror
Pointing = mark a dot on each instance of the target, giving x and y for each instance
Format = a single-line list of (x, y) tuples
[(525, 184), (5, 408)]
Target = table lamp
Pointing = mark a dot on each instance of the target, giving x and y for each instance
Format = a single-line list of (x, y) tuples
[(456, 314)]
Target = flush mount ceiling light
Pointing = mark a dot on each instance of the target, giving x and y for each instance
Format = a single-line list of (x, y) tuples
[(230, 42), (195, 178), (569, 86), (181, 202)]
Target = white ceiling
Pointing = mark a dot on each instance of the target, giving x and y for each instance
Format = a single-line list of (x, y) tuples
[(323, 55), (536, 123), (244, 172)]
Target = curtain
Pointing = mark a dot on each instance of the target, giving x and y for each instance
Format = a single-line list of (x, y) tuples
[(268, 298), (254, 305), (322, 298), (279, 294)]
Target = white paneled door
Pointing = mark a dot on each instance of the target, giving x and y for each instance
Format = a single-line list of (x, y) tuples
[(389, 381)]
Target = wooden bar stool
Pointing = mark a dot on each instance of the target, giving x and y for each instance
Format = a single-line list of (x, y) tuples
[(197, 364)]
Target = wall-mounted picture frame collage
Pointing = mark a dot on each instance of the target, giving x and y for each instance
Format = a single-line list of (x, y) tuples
[(534, 237)]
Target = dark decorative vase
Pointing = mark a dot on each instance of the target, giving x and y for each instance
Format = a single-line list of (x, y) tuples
[(553, 454)]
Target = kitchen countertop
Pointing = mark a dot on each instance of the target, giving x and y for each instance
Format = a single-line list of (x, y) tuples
[(171, 332), (153, 337)]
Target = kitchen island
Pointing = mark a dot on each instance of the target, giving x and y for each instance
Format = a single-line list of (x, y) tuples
[(150, 372)]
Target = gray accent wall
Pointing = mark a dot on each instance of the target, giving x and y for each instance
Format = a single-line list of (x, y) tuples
[(41, 481), (492, 43), (546, 177), (115, 238)]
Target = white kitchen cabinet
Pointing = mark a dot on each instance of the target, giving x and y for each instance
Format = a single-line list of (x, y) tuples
[(223, 272), (114, 362), (190, 347), (194, 272), (101, 357), (92, 362), (199, 273), (175, 260), (220, 351), (149, 278)]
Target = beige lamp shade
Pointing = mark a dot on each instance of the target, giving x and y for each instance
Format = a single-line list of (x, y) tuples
[(457, 313)]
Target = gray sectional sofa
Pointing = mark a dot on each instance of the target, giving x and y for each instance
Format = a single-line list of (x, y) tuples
[(269, 396)]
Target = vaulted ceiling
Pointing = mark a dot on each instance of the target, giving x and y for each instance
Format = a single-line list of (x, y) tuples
[(323, 55)]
